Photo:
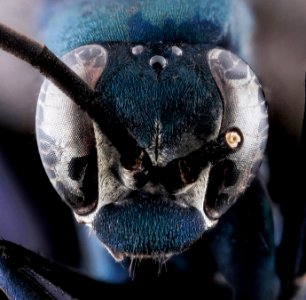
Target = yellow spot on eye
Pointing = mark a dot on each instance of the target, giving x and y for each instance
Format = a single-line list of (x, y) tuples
[(233, 138)]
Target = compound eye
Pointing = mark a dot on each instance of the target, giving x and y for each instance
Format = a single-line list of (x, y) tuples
[(246, 120), (65, 133)]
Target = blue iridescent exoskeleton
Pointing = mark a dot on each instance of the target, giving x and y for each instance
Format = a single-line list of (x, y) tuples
[(158, 68), (192, 119)]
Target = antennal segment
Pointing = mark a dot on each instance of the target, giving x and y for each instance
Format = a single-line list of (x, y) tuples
[(40, 57)]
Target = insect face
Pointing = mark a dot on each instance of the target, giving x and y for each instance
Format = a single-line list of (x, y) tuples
[(186, 106)]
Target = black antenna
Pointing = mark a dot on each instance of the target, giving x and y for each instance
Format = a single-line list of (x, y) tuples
[(40, 57)]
